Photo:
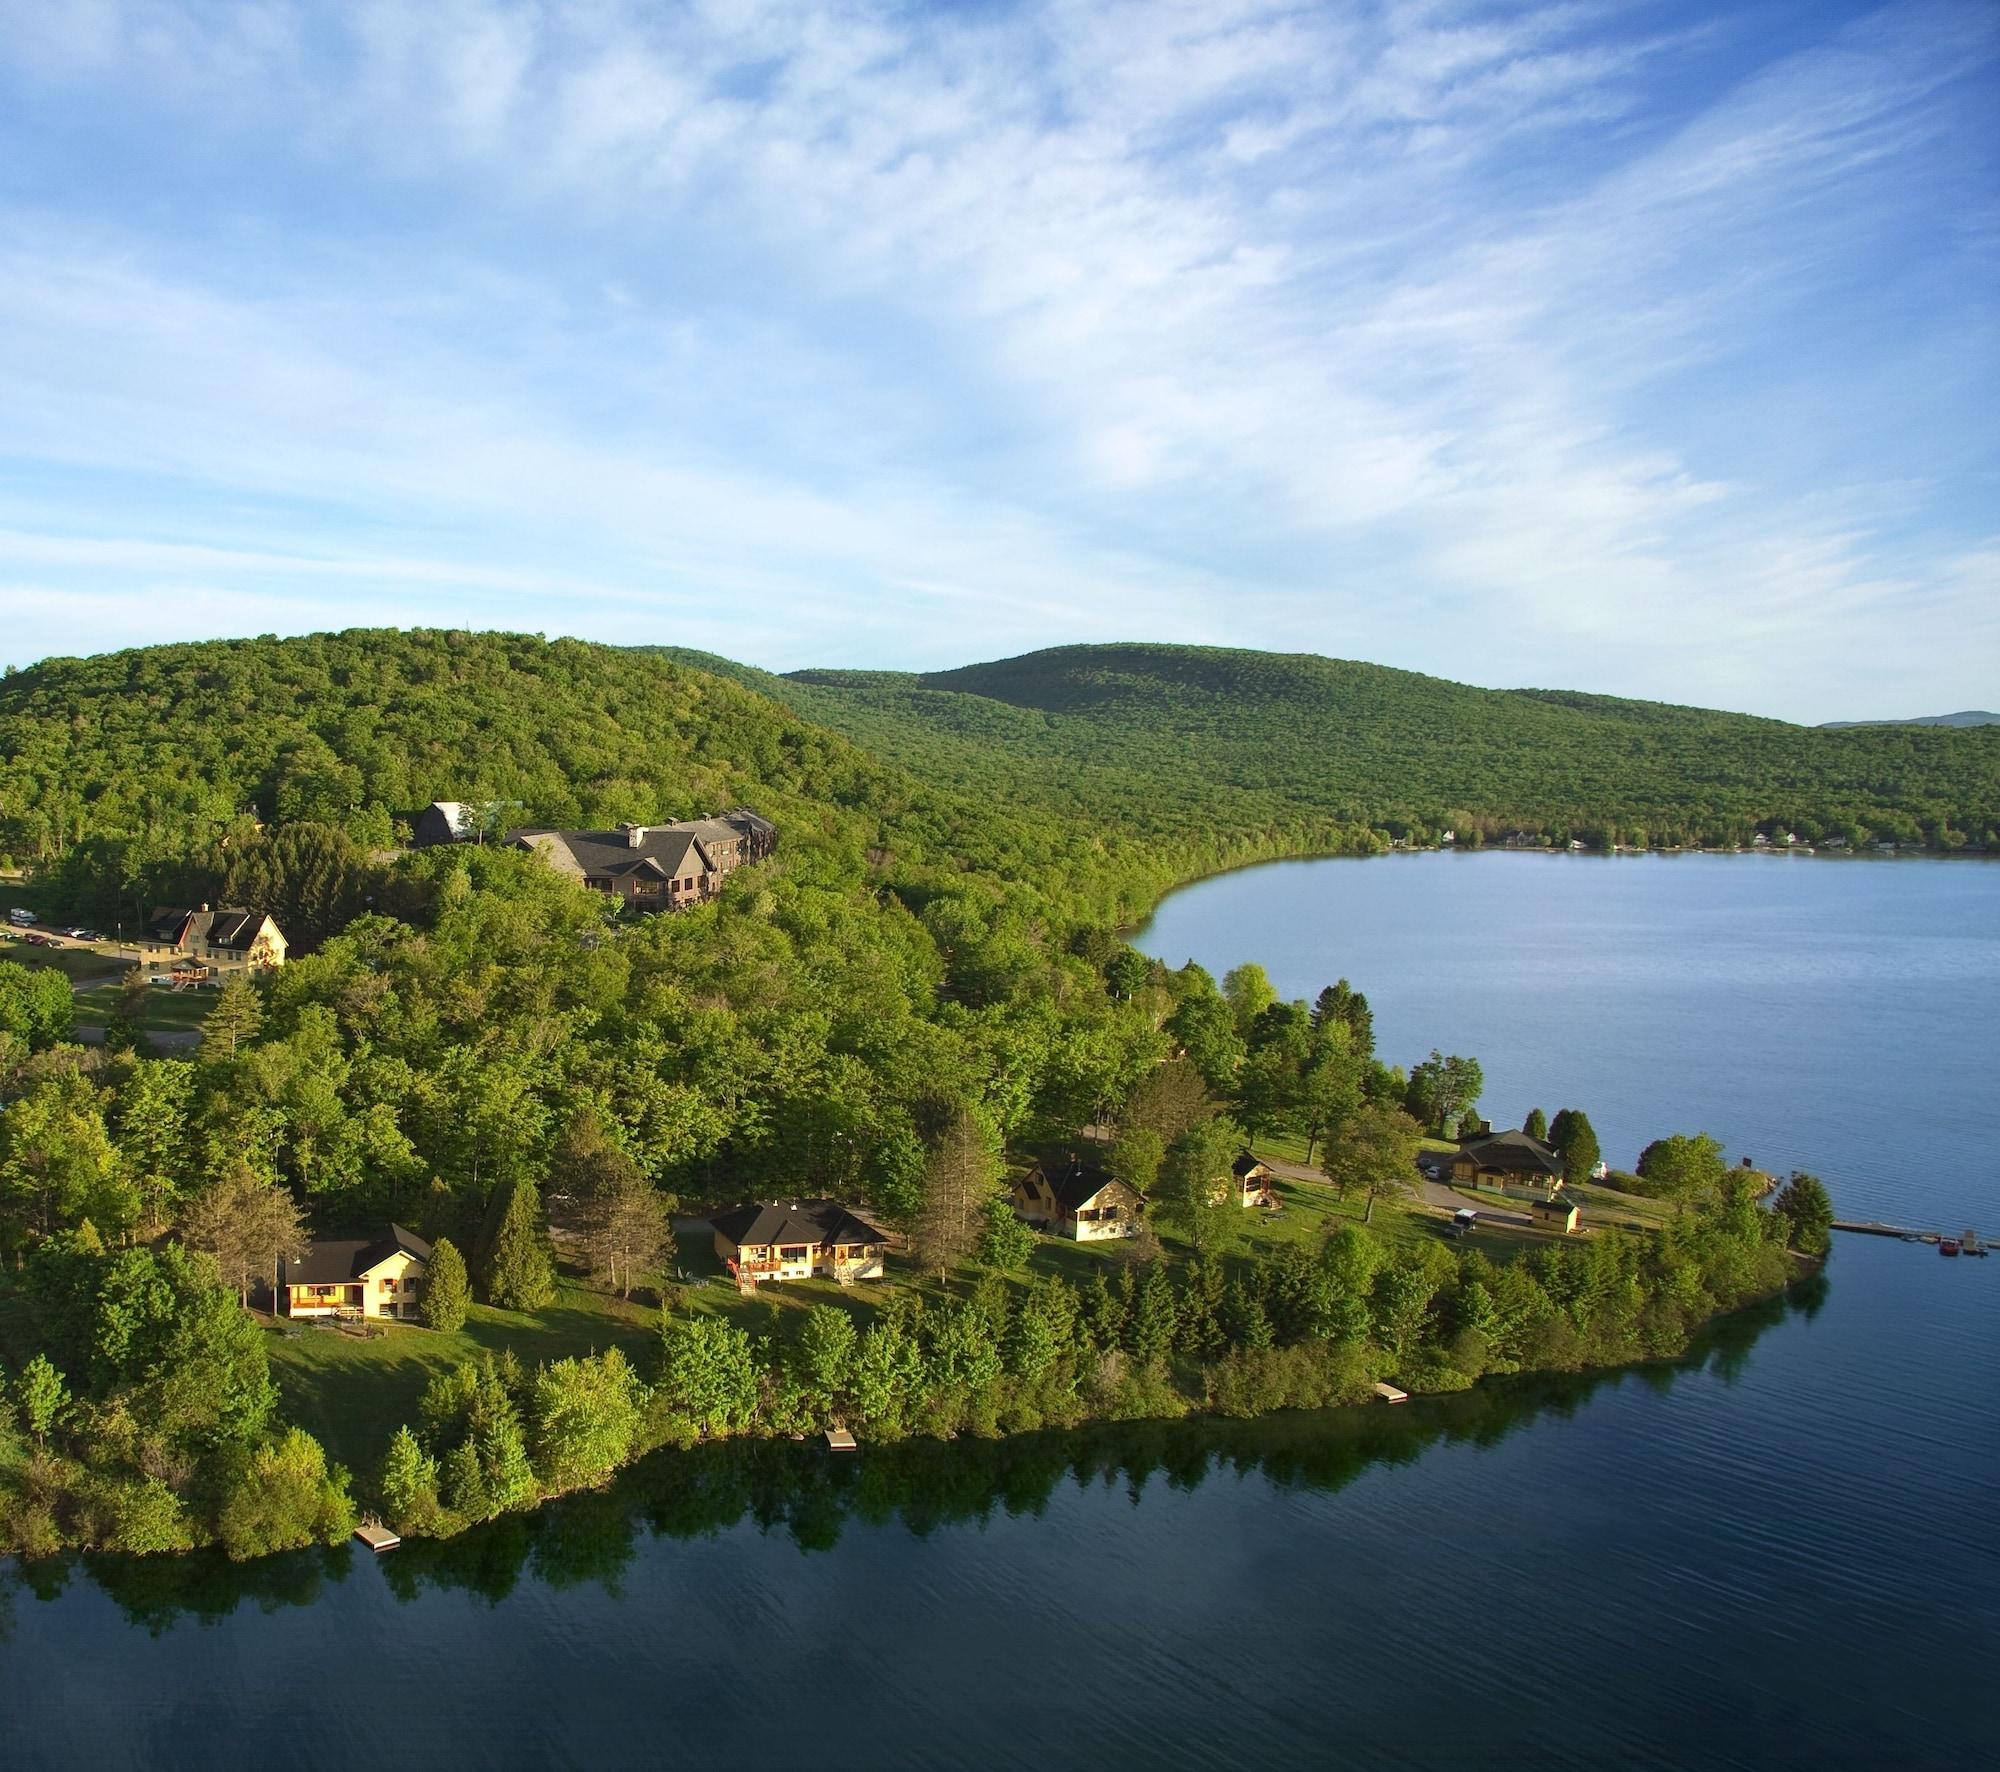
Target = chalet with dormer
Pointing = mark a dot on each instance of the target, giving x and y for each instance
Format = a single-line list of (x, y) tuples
[(241, 937), (1078, 1199)]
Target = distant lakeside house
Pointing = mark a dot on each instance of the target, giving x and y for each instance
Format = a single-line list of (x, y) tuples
[(1080, 1199), (656, 867), (1512, 1163), (796, 1240), (244, 937), (353, 1277)]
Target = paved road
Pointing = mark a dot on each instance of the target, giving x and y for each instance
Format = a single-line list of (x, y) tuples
[(1436, 1193)]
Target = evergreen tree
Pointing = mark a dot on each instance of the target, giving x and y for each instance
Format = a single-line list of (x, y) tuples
[(519, 1270), (1005, 1242), (235, 1020), (958, 1181), (41, 1393), (1575, 1141), (1149, 1329), (247, 1224), (1536, 1125), (1807, 1209), (447, 1288)]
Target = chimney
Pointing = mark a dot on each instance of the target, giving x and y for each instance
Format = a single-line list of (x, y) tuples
[(635, 835), (204, 904)]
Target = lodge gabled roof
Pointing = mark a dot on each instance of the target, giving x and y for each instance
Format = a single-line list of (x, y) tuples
[(335, 1261), (662, 850), (1516, 1152), (795, 1221)]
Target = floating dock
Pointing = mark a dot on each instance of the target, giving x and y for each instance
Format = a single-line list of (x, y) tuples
[(377, 1538), (839, 1439), (1968, 1241), (1390, 1394)]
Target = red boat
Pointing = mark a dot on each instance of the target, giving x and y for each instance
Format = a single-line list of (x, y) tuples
[(1947, 1245)]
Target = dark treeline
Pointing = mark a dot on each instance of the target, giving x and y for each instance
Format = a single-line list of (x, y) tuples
[(922, 1485)]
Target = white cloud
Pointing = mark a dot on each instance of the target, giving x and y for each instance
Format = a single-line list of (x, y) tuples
[(1247, 320)]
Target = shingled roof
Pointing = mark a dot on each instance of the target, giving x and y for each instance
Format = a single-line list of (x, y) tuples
[(795, 1221), (1515, 1152), (660, 850), (1078, 1182), (205, 928), (339, 1260)]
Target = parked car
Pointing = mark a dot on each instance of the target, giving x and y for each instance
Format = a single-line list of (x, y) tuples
[(21, 919), (77, 934), (88, 934)]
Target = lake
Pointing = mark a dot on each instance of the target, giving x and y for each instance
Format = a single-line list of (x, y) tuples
[(1776, 1552)]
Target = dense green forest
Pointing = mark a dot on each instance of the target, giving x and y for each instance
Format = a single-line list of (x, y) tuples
[(922, 986), (1163, 740)]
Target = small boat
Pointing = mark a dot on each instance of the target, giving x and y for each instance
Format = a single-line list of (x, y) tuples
[(1947, 1245)]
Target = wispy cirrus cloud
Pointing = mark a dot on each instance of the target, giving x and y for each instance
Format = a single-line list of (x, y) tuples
[(1507, 341)]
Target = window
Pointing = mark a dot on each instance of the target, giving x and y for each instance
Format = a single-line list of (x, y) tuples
[(793, 1252), (388, 1285)]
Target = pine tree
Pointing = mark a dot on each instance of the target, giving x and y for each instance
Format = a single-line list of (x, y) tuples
[(1149, 1331), (235, 1020), (1576, 1142), (958, 1181), (1536, 1125), (247, 1224), (519, 1271), (447, 1289), (1808, 1210)]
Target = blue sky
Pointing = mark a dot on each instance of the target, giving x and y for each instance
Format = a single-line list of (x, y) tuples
[(1648, 349)]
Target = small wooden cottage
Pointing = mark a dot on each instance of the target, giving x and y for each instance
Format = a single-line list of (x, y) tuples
[(356, 1277), (1081, 1200), (1253, 1181), (1559, 1213), (796, 1239)]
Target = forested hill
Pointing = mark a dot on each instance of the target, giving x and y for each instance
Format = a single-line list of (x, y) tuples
[(143, 773), (1164, 739)]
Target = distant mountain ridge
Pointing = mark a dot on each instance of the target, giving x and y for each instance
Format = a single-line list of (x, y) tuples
[(1971, 717), (1180, 738)]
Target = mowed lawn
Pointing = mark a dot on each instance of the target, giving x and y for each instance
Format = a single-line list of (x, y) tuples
[(352, 1395), (166, 1010)]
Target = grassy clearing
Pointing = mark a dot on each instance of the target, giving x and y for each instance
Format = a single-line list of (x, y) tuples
[(352, 1395), (74, 961), (165, 1011)]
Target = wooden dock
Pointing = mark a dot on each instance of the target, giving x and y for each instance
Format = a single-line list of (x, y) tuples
[(838, 1439), (1873, 1228), (377, 1538), (1390, 1394)]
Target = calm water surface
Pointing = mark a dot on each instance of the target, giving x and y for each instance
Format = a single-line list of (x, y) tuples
[(1777, 1553)]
